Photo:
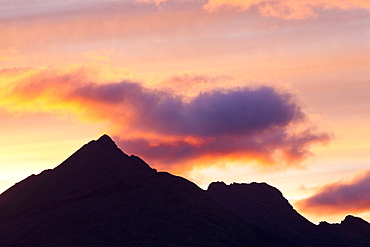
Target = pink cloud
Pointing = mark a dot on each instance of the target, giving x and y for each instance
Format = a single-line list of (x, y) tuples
[(340, 197)]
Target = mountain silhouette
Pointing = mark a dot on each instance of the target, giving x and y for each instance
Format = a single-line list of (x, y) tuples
[(100, 196)]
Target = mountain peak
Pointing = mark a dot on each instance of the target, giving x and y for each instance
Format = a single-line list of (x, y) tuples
[(353, 220), (106, 142), (217, 185), (103, 156)]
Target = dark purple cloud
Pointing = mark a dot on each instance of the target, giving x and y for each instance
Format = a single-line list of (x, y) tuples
[(340, 197), (245, 122), (235, 112)]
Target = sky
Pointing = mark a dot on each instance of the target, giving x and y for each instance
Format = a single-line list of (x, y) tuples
[(274, 91)]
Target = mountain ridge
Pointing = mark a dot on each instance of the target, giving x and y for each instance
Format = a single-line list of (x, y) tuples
[(100, 196)]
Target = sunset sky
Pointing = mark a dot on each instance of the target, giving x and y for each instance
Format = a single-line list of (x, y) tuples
[(274, 91)]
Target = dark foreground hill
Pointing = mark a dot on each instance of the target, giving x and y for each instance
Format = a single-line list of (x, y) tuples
[(102, 197)]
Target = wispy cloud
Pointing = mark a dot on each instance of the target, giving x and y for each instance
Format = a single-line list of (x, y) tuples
[(286, 9)]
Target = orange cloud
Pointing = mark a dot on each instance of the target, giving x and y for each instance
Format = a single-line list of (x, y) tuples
[(341, 197), (259, 123)]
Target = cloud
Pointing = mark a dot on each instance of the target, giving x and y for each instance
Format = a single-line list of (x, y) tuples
[(341, 197), (286, 9), (277, 151), (255, 123), (71, 22), (236, 112)]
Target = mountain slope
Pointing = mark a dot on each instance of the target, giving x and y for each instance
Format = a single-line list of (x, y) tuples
[(264, 206), (352, 231), (97, 165), (100, 196)]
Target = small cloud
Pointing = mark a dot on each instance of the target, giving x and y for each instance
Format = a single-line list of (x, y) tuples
[(101, 55), (9, 53), (341, 197)]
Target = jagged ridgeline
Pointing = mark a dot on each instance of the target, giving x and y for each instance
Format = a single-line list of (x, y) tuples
[(102, 197)]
